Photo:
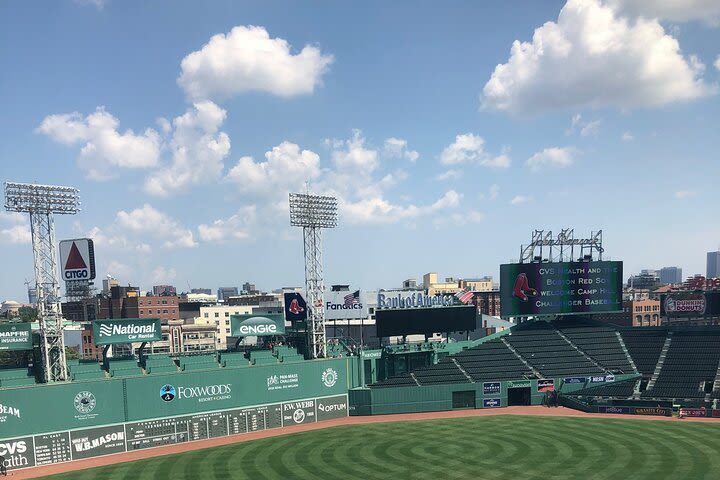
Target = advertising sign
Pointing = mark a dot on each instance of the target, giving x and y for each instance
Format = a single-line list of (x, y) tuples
[(17, 452), (656, 411), (345, 305), (519, 384), (405, 299), (623, 410), (560, 287), (491, 402), (92, 442), (546, 385), (77, 259), (597, 379), (693, 412), (126, 330), (332, 407), (249, 325), (15, 336), (427, 321), (690, 304), (295, 413), (295, 307), (575, 379), (491, 388)]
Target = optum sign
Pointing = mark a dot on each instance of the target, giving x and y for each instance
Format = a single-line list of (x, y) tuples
[(257, 325), (126, 330)]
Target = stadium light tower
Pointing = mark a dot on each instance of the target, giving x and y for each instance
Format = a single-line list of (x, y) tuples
[(313, 213), (42, 202)]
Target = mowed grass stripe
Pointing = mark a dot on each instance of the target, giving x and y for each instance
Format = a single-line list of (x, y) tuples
[(494, 448)]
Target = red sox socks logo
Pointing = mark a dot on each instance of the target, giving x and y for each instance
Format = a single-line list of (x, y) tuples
[(522, 289)]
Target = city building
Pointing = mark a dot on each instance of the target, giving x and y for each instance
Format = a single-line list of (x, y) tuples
[(108, 283), (223, 293), (671, 275), (644, 313), (647, 279), (409, 284), (433, 287), (126, 302), (218, 316), (249, 288), (159, 290), (204, 291), (713, 265), (198, 298), (179, 338), (487, 302), (484, 284), (88, 349)]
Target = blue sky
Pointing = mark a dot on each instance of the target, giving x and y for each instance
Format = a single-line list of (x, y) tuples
[(448, 131)]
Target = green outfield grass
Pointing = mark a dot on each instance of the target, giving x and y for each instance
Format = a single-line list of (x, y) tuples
[(499, 447)]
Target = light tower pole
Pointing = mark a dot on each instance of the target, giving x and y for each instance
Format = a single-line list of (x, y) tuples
[(42, 202), (313, 213)]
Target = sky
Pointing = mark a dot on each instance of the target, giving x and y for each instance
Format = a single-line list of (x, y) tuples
[(448, 131)]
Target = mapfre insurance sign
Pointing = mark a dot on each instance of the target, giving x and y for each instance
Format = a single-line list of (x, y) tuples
[(77, 259)]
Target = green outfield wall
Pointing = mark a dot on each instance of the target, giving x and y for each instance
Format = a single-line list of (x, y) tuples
[(46, 424)]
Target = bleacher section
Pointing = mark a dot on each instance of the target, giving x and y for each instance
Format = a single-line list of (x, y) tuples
[(404, 380), (444, 372), (85, 370), (492, 361), (550, 354), (198, 362), (155, 364), (691, 360), (123, 367), (644, 346), (599, 343), (16, 377), (234, 359)]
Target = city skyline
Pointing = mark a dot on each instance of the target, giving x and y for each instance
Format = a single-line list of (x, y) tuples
[(186, 135)]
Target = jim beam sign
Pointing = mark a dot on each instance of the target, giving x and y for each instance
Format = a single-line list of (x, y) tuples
[(126, 330), (257, 325)]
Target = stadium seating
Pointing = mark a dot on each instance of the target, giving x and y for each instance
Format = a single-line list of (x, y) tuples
[(492, 361), (404, 380), (155, 364), (123, 367), (617, 390), (234, 359), (86, 370), (644, 346), (691, 361), (198, 362), (550, 354), (599, 343)]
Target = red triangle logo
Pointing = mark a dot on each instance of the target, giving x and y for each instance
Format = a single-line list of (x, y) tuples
[(75, 260)]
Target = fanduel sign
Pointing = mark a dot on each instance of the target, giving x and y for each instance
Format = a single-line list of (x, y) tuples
[(257, 325), (412, 299), (127, 330)]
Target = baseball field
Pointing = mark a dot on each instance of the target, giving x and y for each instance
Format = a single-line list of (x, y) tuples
[(493, 447)]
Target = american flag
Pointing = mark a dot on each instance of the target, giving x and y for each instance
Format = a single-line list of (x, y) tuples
[(464, 296), (352, 298)]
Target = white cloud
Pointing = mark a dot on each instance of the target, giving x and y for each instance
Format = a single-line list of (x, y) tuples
[(16, 235), (683, 194), (237, 226), (379, 210), (161, 275), (198, 149), (590, 129), (105, 149), (449, 175), (717, 63), (469, 148), (494, 191), (149, 221), (398, 147), (592, 57), (520, 199), (119, 270), (286, 168), (559, 157), (247, 59), (673, 10), (627, 137)]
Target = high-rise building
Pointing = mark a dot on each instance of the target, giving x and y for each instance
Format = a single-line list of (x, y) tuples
[(671, 275), (713, 265), (647, 279), (223, 293), (108, 283), (249, 288)]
